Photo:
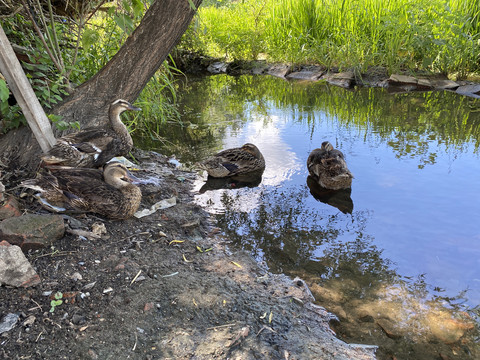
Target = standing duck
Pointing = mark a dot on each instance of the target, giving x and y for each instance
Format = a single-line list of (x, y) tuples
[(95, 146), (328, 167), (85, 190), (234, 161)]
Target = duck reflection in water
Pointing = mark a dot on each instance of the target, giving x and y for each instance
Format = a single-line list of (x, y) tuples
[(337, 198), (252, 179)]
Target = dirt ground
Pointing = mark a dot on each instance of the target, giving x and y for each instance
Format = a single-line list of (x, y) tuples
[(165, 286)]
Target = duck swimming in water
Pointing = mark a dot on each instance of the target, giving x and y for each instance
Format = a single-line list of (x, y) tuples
[(328, 167), (234, 161), (109, 193), (95, 146)]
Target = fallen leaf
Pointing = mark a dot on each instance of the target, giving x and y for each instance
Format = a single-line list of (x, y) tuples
[(176, 242)]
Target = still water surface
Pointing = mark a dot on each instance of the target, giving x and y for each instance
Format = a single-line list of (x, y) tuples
[(410, 229)]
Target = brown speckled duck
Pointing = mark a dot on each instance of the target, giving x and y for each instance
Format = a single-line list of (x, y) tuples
[(234, 161), (328, 167), (110, 193), (95, 146)]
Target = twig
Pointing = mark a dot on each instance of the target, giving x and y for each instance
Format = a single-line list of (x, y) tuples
[(266, 328), (136, 339), (221, 326), (55, 253), (172, 274), (36, 307), (38, 337), (136, 276)]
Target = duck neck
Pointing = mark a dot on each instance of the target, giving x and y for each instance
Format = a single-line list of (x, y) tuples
[(118, 126)]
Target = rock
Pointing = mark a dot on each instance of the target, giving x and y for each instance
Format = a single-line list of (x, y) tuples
[(8, 322), (389, 328), (279, 70), (343, 79), (447, 328), (32, 231), (444, 84), (309, 73), (409, 83), (217, 68), (15, 270), (9, 208), (469, 90)]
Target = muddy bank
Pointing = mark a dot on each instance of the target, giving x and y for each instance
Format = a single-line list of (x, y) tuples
[(163, 286)]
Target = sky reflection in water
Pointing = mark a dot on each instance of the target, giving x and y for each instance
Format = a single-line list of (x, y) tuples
[(415, 193)]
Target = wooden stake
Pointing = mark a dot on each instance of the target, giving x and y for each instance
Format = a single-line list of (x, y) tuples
[(22, 90)]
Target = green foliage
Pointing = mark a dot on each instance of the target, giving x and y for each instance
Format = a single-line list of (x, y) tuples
[(88, 40), (157, 101), (434, 35), (4, 92), (57, 301)]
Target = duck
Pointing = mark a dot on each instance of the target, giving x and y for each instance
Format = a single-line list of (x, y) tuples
[(328, 167), (94, 146), (235, 161), (109, 192)]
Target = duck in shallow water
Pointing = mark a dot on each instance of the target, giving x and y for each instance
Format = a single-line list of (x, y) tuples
[(95, 146), (235, 161), (328, 167), (109, 193)]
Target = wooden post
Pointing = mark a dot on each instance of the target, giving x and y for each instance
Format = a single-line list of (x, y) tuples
[(18, 83)]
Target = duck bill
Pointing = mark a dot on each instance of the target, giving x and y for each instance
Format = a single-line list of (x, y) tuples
[(133, 179), (134, 108)]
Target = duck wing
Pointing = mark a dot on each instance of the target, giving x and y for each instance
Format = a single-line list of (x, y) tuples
[(89, 148)]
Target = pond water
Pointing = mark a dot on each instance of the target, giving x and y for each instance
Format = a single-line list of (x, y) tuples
[(398, 257)]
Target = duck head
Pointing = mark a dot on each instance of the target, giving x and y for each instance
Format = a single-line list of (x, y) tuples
[(252, 149), (117, 175), (120, 105)]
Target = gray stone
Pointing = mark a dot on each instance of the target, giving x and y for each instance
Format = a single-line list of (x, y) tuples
[(32, 231), (217, 68), (8, 322), (469, 90), (279, 70), (306, 75), (444, 84), (15, 270)]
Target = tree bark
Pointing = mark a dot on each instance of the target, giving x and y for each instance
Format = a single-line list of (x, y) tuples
[(124, 76)]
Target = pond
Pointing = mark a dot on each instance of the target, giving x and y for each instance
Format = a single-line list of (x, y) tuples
[(398, 257)]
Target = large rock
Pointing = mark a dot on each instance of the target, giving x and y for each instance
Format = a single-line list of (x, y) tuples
[(15, 270), (32, 231), (344, 79), (469, 90), (279, 70), (311, 73)]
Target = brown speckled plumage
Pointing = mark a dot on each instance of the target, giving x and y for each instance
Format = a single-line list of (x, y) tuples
[(93, 147), (234, 161), (109, 193), (327, 166)]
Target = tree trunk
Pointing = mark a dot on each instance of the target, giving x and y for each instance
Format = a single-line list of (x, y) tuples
[(124, 76)]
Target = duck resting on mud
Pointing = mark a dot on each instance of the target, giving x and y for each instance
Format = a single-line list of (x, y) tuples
[(235, 161), (109, 192), (328, 167)]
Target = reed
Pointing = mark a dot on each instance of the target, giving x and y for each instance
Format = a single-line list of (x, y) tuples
[(433, 35)]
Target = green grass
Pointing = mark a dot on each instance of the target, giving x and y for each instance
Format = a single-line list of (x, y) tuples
[(434, 35)]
